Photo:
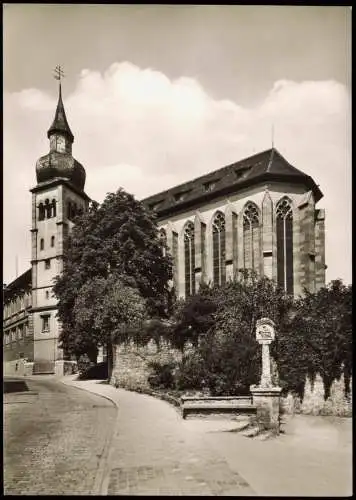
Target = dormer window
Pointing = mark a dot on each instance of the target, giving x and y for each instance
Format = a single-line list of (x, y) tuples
[(209, 186), (154, 206), (241, 173), (181, 195)]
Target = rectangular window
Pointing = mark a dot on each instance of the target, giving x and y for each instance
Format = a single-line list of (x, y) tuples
[(47, 264), (45, 322)]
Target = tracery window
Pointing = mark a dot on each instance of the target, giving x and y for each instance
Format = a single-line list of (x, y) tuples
[(284, 216), (251, 236), (219, 249), (189, 259), (163, 238)]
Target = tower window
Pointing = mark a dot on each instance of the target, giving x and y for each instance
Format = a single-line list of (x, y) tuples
[(48, 209), (219, 250), (47, 264), (52, 241), (47, 294), (251, 239), (41, 244), (54, 208), (45, 322), (284, 215), (189, 255), (41, 212)]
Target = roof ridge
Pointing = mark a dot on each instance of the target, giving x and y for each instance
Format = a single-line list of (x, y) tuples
[(202, 177)]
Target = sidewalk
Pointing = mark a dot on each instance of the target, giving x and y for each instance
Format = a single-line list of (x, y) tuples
[(155, 452)]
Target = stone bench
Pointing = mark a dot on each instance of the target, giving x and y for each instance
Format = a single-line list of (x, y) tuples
[(217, 405)]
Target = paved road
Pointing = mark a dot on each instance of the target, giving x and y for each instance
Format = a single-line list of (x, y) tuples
[(154, 451), (54, 439)]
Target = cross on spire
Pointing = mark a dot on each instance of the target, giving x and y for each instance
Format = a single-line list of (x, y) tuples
[(58, 73)]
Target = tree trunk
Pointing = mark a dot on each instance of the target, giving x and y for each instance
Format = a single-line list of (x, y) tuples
[(109, 357)]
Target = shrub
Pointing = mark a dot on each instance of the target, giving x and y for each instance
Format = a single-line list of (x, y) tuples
[(191, 372), (95, 372), (161, 376)]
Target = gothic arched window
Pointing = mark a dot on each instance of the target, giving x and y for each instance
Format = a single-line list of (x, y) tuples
[(41, 244), (41, 211), (69, 210), (284, 216), (219, 250), (48, 209), (163, 238), (189, 259), (251, 236), (54, 208)]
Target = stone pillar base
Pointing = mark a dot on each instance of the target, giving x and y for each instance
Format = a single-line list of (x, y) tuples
[(63, 367), (266, 400), (28, 368)]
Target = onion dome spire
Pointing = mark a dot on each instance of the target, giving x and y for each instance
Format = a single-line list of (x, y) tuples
[(59, 162), (60, 123)]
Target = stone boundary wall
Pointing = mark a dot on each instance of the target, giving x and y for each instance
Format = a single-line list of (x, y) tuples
[(131, 371), (131, 364), (313, 402)]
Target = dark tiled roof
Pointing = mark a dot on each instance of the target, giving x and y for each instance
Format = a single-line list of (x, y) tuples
[(60, 123), (262, 167), (21, 283)]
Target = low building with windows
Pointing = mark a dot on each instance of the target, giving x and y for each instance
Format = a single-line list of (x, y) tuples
[(259, 213), (17, 321)]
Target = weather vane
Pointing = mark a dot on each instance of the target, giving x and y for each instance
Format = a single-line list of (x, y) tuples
[(58, 73)]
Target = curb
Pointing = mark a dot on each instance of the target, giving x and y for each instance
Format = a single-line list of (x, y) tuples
[(101, 482), (92, 392)]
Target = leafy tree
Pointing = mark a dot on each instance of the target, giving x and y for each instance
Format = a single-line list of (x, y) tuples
[(323, 324), (193, 319), (118, 238), (226, 337)]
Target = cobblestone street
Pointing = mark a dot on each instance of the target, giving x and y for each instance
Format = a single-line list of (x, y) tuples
[(54, 438), (61, 440)]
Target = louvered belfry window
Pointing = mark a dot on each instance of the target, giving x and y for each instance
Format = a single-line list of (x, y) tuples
[(189, 259), (219, 249), (284, 215)]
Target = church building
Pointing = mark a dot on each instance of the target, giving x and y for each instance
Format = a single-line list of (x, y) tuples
[(258, 213)]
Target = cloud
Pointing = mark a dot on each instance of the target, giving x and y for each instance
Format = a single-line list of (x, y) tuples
[(138, 129)]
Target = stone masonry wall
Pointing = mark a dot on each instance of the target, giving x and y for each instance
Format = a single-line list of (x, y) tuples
[(313, 402), (131, 364), (131, 371)]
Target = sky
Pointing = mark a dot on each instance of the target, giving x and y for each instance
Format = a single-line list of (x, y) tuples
[(158, 95)]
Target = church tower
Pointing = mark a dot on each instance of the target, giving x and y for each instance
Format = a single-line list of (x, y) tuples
[(56, 199)]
